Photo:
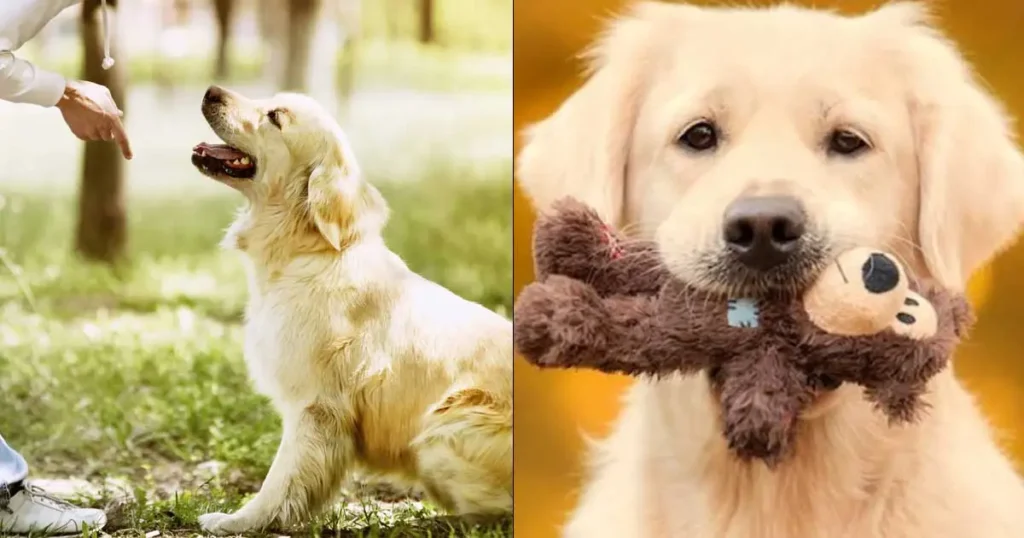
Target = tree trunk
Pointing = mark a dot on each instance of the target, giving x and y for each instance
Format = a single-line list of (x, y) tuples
[(272, 27), (426, 21), (350, 19), (224, 10), (181, 10), (101, 206), (173, 15), (301, 27), (391, 19)]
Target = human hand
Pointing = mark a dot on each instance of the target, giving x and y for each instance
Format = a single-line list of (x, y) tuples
[(91, 114)]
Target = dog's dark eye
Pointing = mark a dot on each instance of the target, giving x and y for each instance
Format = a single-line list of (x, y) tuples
[(701, 136), (274, 118), (844, 142)]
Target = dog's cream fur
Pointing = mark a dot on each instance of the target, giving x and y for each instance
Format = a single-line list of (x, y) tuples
[(369, 364), (942, 185)]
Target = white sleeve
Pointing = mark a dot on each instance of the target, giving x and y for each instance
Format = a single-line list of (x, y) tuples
[(20, 81)]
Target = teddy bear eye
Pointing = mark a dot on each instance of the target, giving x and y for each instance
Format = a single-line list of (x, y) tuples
[(879, 273)]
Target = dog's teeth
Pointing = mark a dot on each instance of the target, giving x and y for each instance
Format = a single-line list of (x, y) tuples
[(236, 161), (245, 160)]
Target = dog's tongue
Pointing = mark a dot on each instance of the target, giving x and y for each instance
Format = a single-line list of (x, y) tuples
[(223, 152)]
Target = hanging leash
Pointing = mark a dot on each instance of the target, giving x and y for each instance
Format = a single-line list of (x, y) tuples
[(108, 62)]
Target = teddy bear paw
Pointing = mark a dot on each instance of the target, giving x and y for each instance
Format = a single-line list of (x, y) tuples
[(532, 322), (764, 444), (759, 434), (572, 238), (559, 321), (900, 403)]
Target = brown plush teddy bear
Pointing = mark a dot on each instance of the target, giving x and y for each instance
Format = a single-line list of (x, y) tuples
[(607, 303)]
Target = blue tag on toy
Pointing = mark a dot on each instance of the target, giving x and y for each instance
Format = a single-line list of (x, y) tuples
[(742, 313)]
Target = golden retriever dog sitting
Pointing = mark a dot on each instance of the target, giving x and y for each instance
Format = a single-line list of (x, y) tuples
[(369, 365), (821, 132)]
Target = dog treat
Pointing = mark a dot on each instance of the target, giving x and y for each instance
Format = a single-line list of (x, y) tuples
[(607, 303)]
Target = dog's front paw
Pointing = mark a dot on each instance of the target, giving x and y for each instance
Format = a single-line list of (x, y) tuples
[(220, 524)]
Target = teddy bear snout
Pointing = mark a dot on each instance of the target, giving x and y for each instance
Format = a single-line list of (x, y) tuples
[(839, 303), (880, 273)]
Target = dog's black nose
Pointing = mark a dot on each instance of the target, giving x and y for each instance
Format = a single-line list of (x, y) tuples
[(214, 94), (763, 231)]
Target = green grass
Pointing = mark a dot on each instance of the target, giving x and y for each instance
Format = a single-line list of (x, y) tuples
[(137, 374)]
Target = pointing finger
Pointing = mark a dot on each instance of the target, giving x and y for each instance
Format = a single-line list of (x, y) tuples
[(122, 139)]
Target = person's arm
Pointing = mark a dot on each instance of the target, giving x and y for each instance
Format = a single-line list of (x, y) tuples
[(20, 80), (87, 108)]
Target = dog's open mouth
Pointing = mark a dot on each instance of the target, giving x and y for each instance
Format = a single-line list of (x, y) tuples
[(223, 160)]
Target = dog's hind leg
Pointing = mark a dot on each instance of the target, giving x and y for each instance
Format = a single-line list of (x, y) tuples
[(464, 454), (311, 462)]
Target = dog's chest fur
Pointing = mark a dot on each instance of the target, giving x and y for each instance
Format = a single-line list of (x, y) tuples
[(308, 326), (849, 476), (278, 356)]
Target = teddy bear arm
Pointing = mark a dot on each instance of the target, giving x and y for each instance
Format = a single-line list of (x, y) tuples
[(900, 396), (881, 360), (636, 268), (564, 323), (559, 322), (901, 402), (570, 240), (639, 343), (636, 272), (642, 340), (573, 241), (917, 345), (659, 348), (865, 360)]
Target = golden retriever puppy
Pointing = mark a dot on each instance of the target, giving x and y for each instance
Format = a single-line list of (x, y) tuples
[(369, 364), (753, 145)]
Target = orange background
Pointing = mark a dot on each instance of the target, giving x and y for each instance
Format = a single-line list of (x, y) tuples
[(553, 408)]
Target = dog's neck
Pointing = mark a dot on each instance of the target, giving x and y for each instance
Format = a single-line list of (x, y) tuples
[(271, 244)]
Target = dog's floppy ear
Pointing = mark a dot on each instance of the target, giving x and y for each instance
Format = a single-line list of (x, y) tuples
[(582, 149), (971, 171), (331, 189)]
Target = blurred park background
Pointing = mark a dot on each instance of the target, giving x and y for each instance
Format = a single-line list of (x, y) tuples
[(120, 335), (553, 408)]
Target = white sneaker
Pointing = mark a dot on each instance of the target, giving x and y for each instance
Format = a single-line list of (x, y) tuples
[(31, 510)]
